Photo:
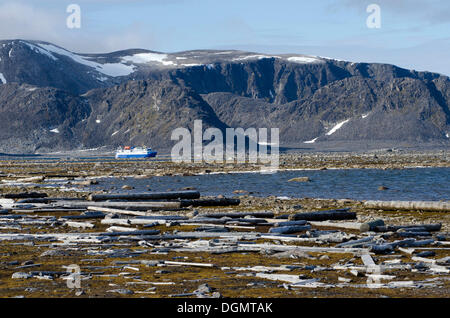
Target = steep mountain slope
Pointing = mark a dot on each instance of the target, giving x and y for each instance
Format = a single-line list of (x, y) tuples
[(39, 118), (75, 101), (143, 113)]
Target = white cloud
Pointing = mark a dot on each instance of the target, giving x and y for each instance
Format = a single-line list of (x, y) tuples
[(19, 20)]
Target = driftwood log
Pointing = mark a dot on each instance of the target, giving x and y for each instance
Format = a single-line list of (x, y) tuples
[(210, 202), (238, 215), (394, 228), (341, 214), (24, 195), (172, 195), (409, 205), (289, 229)]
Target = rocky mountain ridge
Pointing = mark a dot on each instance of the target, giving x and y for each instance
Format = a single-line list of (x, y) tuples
[(52, 99)]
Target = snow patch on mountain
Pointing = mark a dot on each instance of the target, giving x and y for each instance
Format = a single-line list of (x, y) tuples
[(144, 58), (302, 59), (110, 69), (40, 50), (337, 127), (311, 141), (2, 79), (255, 57)]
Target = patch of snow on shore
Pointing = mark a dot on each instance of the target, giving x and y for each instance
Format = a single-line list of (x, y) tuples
[(337, 127), (56, 131), (2, 79)]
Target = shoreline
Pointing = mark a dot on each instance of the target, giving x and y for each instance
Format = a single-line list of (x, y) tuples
[(237, 258)]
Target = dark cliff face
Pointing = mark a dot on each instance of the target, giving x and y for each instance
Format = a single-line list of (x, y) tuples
[(33, 118), (143, 113), (136, 97)]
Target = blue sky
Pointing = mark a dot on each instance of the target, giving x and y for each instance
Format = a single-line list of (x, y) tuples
[(414, 33)]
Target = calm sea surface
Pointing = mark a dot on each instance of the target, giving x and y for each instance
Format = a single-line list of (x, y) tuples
[(360, 184)]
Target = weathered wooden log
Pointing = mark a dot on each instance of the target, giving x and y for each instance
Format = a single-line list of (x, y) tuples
[(381, 248), (87, 215), (290, 223), (370, 226), (163, 217), (412, 234), (132, 222), (233, 215), (189, 264), (141, 232), (289, 229), (14, 216), (24, 195), (139, 206), (55, 210), (409, 205), (45, 200), (394, 228), (173, 195), (339, 225), (341, 214), (421, 243), (113, 229), (210, 202), (356, 243), (367, 260), (118, 211), (80, 224), (31, 179), (249, 221)]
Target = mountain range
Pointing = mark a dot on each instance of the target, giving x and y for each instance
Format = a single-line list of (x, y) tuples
[(52, 99)]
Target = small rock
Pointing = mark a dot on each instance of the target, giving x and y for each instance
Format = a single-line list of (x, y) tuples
[(203, 289), (383, 188), (127, 187), (324, 258), (121, 291), (27, 263), (300, 179), (80, 293)]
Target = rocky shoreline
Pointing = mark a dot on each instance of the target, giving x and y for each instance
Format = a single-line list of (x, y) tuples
[(186, 253)]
